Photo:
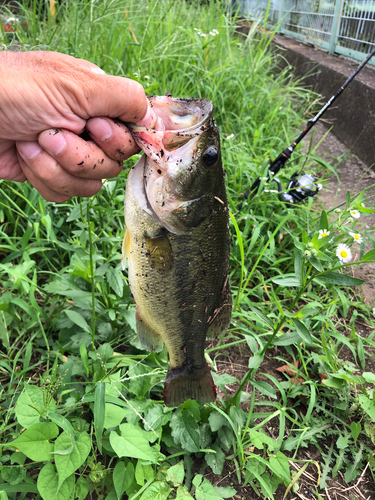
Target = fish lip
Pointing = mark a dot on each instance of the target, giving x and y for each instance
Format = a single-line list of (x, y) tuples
[(136, 128), (203, 104)]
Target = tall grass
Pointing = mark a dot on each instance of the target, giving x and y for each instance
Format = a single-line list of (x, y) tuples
[(67, 320)]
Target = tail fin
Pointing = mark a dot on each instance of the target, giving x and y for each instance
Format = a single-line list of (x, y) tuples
[(186, 383)]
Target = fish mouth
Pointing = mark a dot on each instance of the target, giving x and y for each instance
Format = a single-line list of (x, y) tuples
[(170, 147)]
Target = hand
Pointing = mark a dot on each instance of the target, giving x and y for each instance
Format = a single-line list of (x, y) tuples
[(46, 100)]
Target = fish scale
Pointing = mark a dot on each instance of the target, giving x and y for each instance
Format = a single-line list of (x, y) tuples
[(177, 244)]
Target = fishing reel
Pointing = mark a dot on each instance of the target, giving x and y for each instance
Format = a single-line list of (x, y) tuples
[(299, 189)]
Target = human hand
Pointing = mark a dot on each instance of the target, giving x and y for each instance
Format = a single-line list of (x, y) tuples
[(46, 100)]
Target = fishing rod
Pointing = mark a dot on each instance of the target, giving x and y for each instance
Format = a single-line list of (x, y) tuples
[(303, 187)]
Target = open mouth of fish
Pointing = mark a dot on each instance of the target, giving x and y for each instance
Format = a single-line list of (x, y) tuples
[(169, 148)]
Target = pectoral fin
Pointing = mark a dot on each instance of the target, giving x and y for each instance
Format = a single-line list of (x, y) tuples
[(159, 251), (125, 249)]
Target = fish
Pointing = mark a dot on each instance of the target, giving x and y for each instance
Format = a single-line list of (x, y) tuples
[(177, 242)]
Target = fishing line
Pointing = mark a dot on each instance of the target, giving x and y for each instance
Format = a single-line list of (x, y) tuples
[(304, 186)]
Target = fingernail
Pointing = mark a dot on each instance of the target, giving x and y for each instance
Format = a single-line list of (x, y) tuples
[(149, 119), (99, 128), (52, 141), (28, 150)]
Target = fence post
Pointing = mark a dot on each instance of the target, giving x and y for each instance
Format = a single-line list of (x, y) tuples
[(335, 25), (281, 12)]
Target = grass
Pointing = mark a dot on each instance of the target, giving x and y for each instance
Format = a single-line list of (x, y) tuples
[(81, 405)]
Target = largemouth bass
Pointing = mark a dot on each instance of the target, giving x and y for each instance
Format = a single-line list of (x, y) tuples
[(177, 242)]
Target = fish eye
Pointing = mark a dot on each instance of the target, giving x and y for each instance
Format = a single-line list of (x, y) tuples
[(210, 156)]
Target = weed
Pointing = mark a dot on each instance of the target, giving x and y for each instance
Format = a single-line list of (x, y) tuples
[(82, 410)]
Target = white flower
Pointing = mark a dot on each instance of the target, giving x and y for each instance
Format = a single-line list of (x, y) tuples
[(373, 311), (344, 253), (146, 77), (214, 32), (105, 182), (357, 237), (355, 214), (202, 34), (230, 137), (322, 233)]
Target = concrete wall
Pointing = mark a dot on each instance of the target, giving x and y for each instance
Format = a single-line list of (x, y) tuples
[(353, 113)]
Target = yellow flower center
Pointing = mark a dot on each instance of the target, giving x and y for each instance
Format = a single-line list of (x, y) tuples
[(324, 234), (356, 236), (344, 254)]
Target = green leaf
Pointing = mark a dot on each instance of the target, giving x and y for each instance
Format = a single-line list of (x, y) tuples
[(176, 474), (84, 358), (285, 339), (66, 465), (183, 494), (302, 331), (323, 224), (255, 361), (34, 442), (114, 415), (298, 262), (30, 406), (13, 474), (333, 278), (157, 491), (262, 317), (115, 280), (216, 420), (19, 488), (354, 470), (225, 491), (139, 474), (67, 427), (369, 256), (367, 405), (4, 333), (342, 442), (99, 413), (216, 460), (369, 377), (48, 484), (280, 465), (264, 388), (156, 417), (223, 380), (287, 281), (185, 430), (81, 489), (78, 320), (122, 477), (204, 490), (131, 443), (316, 263)]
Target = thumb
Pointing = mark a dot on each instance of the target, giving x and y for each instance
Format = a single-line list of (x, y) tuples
[(111, 96)]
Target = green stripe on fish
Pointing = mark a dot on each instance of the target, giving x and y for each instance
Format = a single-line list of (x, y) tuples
[(177, 242)]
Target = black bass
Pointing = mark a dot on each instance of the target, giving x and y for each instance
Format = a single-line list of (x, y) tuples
[(177, 242)]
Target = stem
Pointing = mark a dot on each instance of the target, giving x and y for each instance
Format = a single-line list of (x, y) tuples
[(91, 276)]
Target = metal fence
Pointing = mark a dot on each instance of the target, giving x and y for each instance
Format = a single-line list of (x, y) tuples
[(343, 26)]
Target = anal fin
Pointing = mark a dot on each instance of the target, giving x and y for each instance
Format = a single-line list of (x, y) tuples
[(186, 383), (148, 338)]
